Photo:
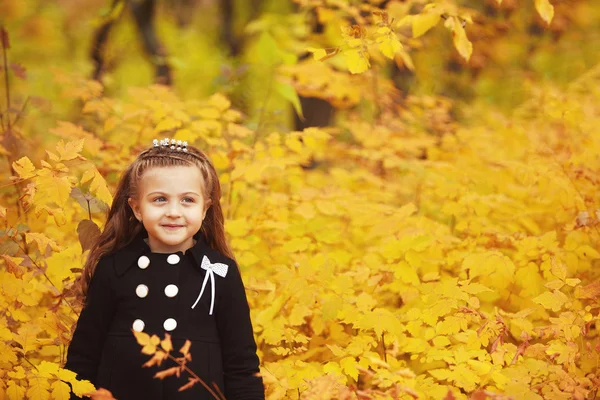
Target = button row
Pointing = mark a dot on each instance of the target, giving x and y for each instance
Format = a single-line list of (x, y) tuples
[(170, 290), (144, 261), (169, 325)]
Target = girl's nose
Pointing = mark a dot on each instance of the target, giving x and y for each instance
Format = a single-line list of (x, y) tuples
[(173, 210)]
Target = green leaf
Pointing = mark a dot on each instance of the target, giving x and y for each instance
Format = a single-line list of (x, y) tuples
[(288, 92)]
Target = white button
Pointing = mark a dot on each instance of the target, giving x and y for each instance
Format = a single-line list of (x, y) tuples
[(171, 290), (138, 325), (173, 259), (141, 291), (170, 324), (143, 262)]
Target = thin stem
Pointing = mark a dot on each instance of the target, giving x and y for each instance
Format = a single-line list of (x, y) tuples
[(189, 371), (17, 188), (21, 112), (7, 91)]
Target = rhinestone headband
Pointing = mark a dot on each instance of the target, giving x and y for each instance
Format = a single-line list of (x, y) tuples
[(172, 144)]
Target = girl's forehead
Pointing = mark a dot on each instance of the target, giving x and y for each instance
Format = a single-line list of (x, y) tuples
[(172, 177)]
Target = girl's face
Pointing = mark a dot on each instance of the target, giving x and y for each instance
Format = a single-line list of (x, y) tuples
[(172, 206)]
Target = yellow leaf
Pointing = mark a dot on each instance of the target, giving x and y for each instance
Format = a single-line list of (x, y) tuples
[(239, 130), (318, 54), (82, 387), (219, 101), (306, 210), (61, 391), (2, 212), (441, 341), (459, 36), (110, 123), (5, 333), (348, 365), (422, 23), (332, 368), (67, 375), (406, 273), (296, 244), (209, 113), (57, 213), (52, 189), (47, 369), (555, 284), (551, 300), (336, 350), (18, 373), (14, 391), (545, 9), (237, 227), (327, 207), (27, 336), (38, 389), (559, 269), (586, 251), (388, 42), (13, 264), (573, 281), (98, 186), (142, 338), (42, 242), (476, 288), (220, 160), (167, 124), (357, 60), (24, 168), (70, 150)]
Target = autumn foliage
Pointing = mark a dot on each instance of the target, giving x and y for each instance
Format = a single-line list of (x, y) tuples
[(422, 246)]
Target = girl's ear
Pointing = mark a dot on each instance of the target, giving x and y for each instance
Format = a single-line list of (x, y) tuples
[(135, 207), (207, 205)]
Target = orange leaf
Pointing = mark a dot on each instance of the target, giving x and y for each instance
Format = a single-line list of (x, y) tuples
[(142, 338), (185, 349), (168, 372), (166, 343), (192, 382), (590, 291)]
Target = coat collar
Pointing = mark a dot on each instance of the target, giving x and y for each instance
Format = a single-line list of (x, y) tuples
[(126, 257)]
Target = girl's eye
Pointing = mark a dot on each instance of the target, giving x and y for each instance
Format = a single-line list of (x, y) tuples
[(190, 200), (159, 198)]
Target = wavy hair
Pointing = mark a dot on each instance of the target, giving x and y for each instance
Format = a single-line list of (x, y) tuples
[(122, 226)]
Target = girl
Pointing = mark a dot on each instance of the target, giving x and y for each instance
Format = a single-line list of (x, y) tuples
[(162, 265)]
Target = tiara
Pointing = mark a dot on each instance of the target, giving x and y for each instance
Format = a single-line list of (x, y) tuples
[(172, 144)]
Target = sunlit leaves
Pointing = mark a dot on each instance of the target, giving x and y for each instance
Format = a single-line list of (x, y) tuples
[(459, 37), (552, 300), (545, 9), (24, 168), (421, 23), (97, 184)]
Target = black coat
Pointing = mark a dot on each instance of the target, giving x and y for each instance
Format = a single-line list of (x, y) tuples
[(104, 350)]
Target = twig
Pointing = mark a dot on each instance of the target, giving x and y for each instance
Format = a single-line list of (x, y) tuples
[(189, 371)]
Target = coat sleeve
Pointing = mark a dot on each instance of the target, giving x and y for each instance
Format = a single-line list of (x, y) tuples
[(238, 348), (85, 349)]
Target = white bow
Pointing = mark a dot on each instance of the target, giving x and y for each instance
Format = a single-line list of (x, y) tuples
[(211, 269)]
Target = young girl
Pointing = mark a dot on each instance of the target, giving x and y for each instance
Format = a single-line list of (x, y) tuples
[(162, 265)]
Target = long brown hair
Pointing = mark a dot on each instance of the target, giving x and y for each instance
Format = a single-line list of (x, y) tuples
[(122, 226)]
